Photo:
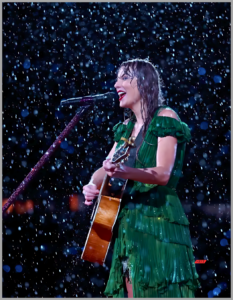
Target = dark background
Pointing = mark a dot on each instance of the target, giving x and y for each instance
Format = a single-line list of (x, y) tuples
[(56, 51)]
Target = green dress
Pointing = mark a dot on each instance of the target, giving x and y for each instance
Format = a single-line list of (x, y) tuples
[(152, 228)]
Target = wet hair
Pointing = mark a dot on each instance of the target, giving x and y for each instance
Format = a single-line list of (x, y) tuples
[(149, 84)]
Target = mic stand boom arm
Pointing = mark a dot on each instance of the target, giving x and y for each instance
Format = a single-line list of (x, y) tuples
[(45, 158)]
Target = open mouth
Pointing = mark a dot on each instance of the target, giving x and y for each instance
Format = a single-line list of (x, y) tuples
[(121, 95)]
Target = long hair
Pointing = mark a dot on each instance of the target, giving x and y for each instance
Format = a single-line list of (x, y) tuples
[(149, 84)]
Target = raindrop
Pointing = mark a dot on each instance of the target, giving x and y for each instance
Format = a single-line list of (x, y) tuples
[(26, 64), (202, 162), (204, 125), (24, 113), (210, 294), (64, 145), (224, 242), (216, 291), (204, 224), (18, 268), (217, 79), (201, 71), (222, 285), (6, 268)]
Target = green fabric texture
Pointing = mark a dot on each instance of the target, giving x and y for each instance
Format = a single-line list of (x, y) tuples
[(154, 230)]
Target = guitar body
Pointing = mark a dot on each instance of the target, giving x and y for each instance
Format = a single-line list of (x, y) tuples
[(104, 215), (100, 233)]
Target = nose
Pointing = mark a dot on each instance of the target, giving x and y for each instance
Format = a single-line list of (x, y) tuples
[(117, 84)]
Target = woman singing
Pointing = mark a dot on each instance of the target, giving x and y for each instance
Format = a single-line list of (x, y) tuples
[(153, 255)]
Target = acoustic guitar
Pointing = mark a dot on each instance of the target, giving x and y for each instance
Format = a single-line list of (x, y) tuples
[(105, 212)]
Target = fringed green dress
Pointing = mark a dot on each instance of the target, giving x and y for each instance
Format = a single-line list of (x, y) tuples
[(152, 229)]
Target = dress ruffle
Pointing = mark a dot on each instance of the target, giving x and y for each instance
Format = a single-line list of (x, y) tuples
[(160, 126), (164, 229), (164, 126), (173, 271)]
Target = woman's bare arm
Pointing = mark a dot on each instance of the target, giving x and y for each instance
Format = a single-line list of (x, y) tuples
[(160, 175)]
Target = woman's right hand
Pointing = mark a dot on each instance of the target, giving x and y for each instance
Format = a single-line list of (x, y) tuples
[(90, 192)]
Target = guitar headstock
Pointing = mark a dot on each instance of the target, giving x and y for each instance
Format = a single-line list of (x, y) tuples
[(122, 153)]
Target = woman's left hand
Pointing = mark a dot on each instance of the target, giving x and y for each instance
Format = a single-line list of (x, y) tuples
[(113, 170)]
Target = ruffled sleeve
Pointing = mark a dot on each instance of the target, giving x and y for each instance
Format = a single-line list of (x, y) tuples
[(118, 131), (163, 126)]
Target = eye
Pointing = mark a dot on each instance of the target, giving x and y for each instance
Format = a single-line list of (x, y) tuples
[(125, 77)]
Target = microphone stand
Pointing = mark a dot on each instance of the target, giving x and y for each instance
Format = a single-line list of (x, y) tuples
[(45, 157)]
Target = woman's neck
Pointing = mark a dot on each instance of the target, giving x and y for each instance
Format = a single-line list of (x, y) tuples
[(138, 110), (139, 119)]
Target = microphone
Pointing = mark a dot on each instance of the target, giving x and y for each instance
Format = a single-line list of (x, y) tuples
[(87, 100)]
